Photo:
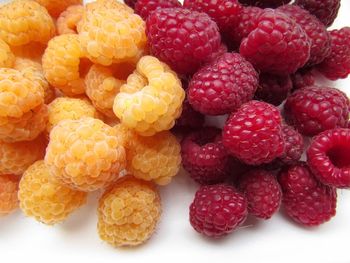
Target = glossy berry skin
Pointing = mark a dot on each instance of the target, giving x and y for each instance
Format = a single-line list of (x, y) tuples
[(294, 145), (315, 109), (306, 200), (265, 3), (263, 193), (337, 64), (303, 78), (181, 38), (144, 7), (204, 156), (325, 10), (223, 86), (277, 45), (217, 210), (253, 133), (329, 159)]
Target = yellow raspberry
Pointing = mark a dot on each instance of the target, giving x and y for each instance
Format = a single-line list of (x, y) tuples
[(44, 199), (151, 100), (68, 20), (16, 157), (128, 213), (7, 58), (110, 33), (32, 50), (69, 109), (22, 22), (85, 154), (56, 7), (8, 193), (62, 64)]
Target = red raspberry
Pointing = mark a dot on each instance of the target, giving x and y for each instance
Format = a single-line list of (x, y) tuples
[(329, 159), (130, 3), (337, 64), (224, 12), (307, 201), (217, 210), (273, 89), (263, 193), (315, 30), (294, 145), (315, 109), (265, 3), (189, 119), (223, 86), (278, 45), (325, 10), (181, 38), (144, 7), (218, 53), (303, 78), (253, 133), (205, 157)]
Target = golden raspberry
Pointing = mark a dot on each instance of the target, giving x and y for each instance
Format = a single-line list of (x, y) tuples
[(22, 22), (44, 199), (151, 100), (110, 33), (8, 193), (85, 154), (32, 50), (16, 157), (68, 20), (65, 108), (6, 56), (128, 212), (56, 7), (62, 64)]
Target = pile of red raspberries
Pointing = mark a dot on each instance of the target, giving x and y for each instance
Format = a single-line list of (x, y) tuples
[(255, 61)]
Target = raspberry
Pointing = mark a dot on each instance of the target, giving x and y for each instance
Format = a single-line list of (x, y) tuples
[(32, 50), (223, 85), (68, 20), (44, 199), (22, 22), (315, 109), (204, 156), (144, 7), (253, 133), (16, 157), (306, 200), (263, 193), (62, 64), (294, 145), (104, 44), (315, 30), (215, 55), (303, 78), (273, 89), (7, 59), (151, 99), (265, 3), (328, 157), (189, 119), (69, 109), (85, 154), (325, 10), (278, 45), (217, 210), (224, 12), (8, 193), (128, 213), (130, 3), (337, 64), (56, 7), (182, 38)]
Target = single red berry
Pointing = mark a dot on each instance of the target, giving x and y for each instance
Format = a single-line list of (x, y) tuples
[(263, 193), (329, 157), (253, 133), (325, 10), (130, 3), (315, 109), (337, 64), (189, 119), (273, 89), (182, 38), (265, 3), (315, 30), (223, 85), (144, 7), (217, 210), (294, 145), (306, 200), (303, 78), (215, 55)]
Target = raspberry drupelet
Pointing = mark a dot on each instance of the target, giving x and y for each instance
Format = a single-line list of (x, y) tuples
[(144, 7), (294, 145), (68, 20), (56, 7), (8, 193), (265, 3)]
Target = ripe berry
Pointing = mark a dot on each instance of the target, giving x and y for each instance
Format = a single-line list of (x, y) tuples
[(8, 193), (68, 20), (294, 145), (144, 7), (315, 109), (223, 86), (217, 210), (56, 7), (329, 159), (303, 78), (265, 3)]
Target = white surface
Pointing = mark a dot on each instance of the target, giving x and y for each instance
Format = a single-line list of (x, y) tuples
[(277, 240)]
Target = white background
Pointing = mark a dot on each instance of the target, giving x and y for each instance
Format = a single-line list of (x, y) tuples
[(277, 240)]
